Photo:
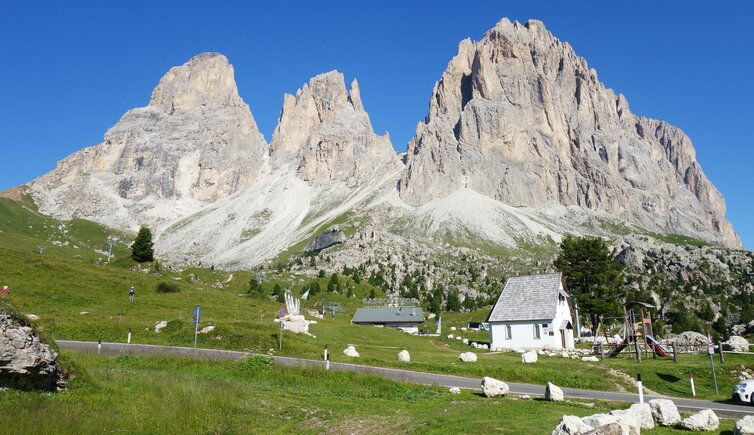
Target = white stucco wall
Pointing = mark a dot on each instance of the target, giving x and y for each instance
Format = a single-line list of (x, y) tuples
[(522, 332)]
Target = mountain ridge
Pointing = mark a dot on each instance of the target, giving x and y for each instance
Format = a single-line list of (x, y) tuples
[(522, 144)]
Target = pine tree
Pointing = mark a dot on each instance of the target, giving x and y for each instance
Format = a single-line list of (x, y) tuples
[(142, 249)]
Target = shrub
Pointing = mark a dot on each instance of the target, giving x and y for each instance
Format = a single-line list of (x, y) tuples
[(255, 363), (167, 287)]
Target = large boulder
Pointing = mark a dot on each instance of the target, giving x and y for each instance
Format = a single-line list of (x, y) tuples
[(737, 344), (629, 421), (644, 413), (553, 393), (607, 429), (468, 357), (25, 362), (571, 425), (351, 351), (690, 342), (665, 412), (703, 421), (599, 420), (529, 357), (325, 239), (494, 388), (404, 356), (744, 426)]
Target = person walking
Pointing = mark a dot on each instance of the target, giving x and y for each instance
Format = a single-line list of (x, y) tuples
[(131, 294), (326, 356)]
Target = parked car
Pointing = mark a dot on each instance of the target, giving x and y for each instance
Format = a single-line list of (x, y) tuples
[(744, 391)]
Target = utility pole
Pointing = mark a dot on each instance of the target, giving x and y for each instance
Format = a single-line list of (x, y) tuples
[(110, 243)]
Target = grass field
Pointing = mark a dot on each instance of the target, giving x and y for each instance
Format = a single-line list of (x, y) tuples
[(78, 297), (163, 395)]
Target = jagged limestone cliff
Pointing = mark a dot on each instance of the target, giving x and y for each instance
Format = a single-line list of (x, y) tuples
[(519, 117)]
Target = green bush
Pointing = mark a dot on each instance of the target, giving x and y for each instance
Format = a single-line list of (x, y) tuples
[(255, 363), (167, 287)]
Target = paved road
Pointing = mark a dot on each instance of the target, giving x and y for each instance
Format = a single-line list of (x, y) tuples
[(728, 409)]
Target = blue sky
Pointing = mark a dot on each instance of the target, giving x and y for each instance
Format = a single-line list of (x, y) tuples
[(71, 69)]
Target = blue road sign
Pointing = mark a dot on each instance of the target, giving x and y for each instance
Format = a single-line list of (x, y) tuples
[(197, 314), (281, 312)]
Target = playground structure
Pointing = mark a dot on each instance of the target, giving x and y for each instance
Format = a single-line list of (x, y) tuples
[(639, 339)]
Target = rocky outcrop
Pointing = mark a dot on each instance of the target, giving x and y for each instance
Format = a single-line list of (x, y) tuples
[(703, 421), (519, 117), (665, 412), (324, 134), (493, 388), (325, 239), (196, 141), (25, 362), (553, 393)]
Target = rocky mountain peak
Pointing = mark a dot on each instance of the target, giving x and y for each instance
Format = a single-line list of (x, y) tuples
[(196, 141), (519, 117), (325, 133), (207, 79)]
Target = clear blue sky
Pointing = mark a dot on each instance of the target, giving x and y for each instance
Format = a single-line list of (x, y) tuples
[(71, 69)]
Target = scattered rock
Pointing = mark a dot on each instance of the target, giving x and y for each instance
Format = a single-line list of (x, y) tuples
[(468, 357), (455, 390), (529, 357), (589, 359), (571, 425), (525, 397), (207, 329), (629, 421), (703, 421), (744, 426), (644, 412), (84, 312), (351, 351), (553, 393), (664, 412), (737, 344), (607, 429), (32, 317), (160, 325), (494, 388), (598, 420), (25, 362), (404, 356)]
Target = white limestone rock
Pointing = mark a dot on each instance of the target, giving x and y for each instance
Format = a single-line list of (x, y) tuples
[(629, 421), (589, 359), (207, 329), (529, 357), (494, 388), (703, 421), (665, 412), (25, 362), (571, 425), (598, 420), (468, 357), (455, 390), (644, 413), (737, 343), (350, 351), (744, 426), (553, 393), (160, 326), (404, 356)]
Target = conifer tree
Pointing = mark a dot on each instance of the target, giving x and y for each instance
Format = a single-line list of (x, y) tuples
[(142, 249)]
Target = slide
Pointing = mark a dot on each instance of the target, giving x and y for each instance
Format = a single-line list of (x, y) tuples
[(613, 353), (659, 349)]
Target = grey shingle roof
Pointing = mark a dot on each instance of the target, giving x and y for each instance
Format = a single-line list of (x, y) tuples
[(388, 315), (531, 297)]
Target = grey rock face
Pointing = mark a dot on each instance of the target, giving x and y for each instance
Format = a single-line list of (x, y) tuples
[(325, 240), (25, 362), (195, 141), (519, 117), (325, 134)]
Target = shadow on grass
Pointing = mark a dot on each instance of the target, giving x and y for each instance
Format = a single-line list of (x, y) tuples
[(668, 378)]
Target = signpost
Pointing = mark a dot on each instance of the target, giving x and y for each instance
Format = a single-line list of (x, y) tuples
[(197, 319), (711, 351), (281, 313)]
